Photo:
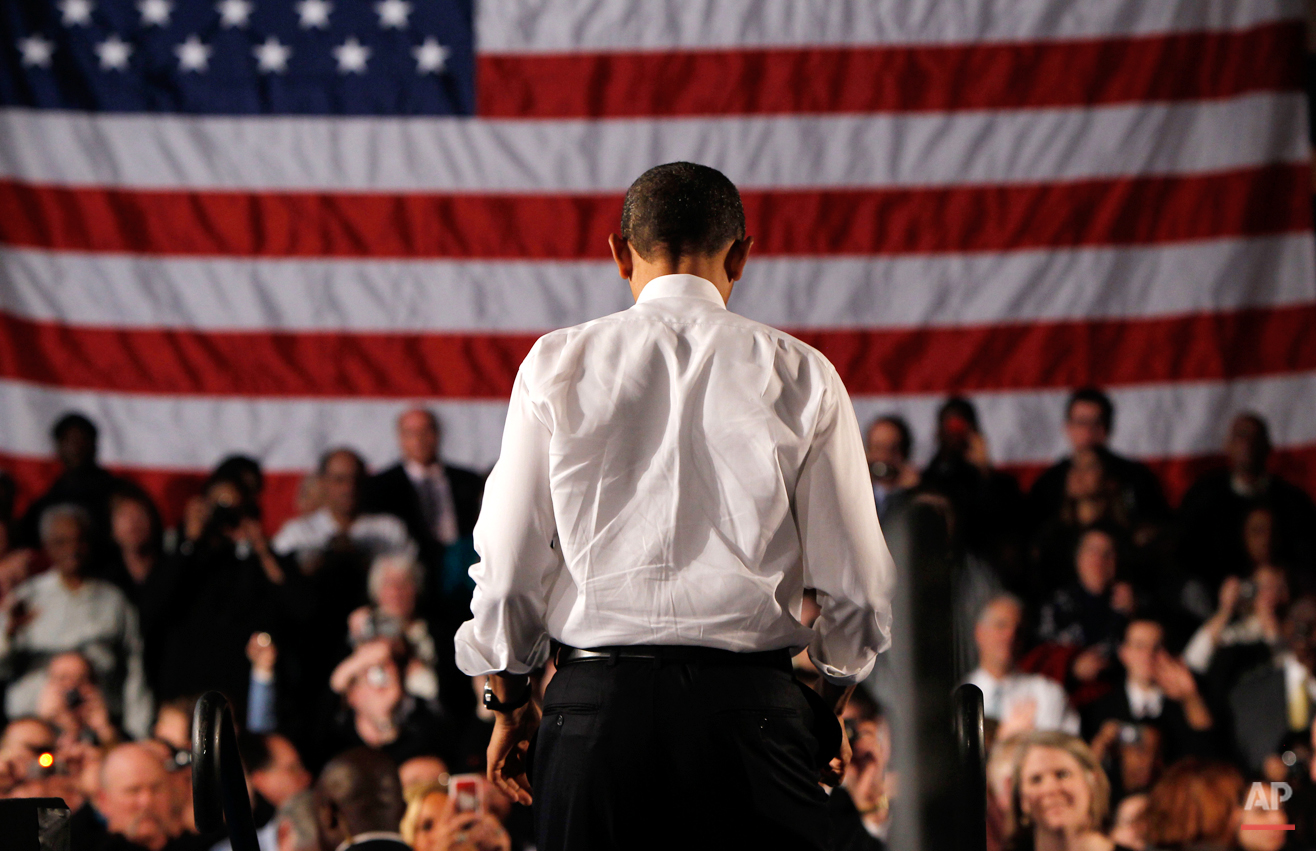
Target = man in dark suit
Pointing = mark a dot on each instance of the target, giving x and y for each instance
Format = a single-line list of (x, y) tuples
[(82, 481), (1279, 697), (1158, 691), (1212, 541), (438, 502), (1089, 420)]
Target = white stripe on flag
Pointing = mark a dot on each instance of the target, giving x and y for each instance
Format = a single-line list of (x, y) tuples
[(178, 432), (463, 155), (553, 26), (114, 290)]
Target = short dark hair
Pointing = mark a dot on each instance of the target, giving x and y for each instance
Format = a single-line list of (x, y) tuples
[(902, 428), (1097, 397), (244, 467), (681, 209), (71, 421), (960, 407), (323, 466)]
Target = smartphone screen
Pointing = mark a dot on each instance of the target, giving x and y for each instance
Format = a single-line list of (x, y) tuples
[(467, 791)]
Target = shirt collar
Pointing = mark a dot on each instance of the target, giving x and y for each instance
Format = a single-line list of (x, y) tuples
[(416, 471), (369, 836), (681, 286)]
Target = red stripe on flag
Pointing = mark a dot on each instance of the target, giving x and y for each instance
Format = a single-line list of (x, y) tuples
[(1199, 347), (1119, 211), (171, 488), (1177, 67)]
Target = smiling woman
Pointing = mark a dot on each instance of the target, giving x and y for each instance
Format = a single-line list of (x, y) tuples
[(1060, 796)]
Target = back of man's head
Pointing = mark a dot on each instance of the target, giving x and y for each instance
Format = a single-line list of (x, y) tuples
[(681, 209), (358, 792)]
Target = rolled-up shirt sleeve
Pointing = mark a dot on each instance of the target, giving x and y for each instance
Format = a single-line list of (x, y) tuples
[(846, 559), (515, 538)]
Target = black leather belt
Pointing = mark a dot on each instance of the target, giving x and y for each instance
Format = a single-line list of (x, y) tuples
[(678, 654)]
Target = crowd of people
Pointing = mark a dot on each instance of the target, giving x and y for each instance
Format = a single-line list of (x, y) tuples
[(1147, 671), (1142, 666)]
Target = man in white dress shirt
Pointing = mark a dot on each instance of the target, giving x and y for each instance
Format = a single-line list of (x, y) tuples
[(342, 474), (1015, 700), (671, 478)]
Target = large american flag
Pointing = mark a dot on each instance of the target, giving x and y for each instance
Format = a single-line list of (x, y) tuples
[(268, 225)]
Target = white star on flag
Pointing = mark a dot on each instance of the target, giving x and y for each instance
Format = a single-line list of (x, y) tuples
[(76, 12), (193, 55), (393, 14), (351, 56), (155, 12), (36, 50), (114, 53), (272, 57), (234, 13), (431, 57), (314, 14)]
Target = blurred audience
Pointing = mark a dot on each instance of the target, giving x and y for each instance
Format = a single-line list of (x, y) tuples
[(334, 643), (1060, 796), (225, 585), (1195, 806), (1157, 691), (1089, 423), (137, 803), (341, 523), (358, 803), (1015, 701), (889, 445), (438, 502), (1216, 507), (65, 609), (1088, 614), (1278, 697), (82, 482), (987, 501), (435, 822)]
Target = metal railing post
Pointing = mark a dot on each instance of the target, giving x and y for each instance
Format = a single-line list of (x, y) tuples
[(219, 787)]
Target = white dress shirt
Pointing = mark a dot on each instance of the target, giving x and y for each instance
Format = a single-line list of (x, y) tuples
[(1144, 702), (1001, 696), (375, 534), (677, 474), (97, 620)]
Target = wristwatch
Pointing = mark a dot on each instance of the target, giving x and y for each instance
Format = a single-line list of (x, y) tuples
[(492, 703)]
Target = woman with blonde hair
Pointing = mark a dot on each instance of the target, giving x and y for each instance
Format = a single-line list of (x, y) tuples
[(432, 823), (1060, 797)]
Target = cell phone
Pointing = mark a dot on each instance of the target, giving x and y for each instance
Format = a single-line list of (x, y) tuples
[(73, 698), (467, 792)]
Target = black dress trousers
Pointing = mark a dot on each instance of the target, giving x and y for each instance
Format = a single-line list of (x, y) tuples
[(641, 754)]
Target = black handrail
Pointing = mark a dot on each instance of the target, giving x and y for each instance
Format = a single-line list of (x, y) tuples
[(219, 788), (971, 739)]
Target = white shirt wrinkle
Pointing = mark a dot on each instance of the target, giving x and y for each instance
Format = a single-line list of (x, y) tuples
[(699, 469)]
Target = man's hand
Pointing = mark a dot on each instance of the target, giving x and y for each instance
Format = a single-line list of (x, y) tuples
[(834, 772), (1089, 664), (262, 653), (509, 746)]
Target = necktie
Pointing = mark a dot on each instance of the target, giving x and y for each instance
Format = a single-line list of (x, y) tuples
[(1299, 706)]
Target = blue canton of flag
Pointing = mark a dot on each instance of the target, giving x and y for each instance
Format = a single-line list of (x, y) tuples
[(236, 57)]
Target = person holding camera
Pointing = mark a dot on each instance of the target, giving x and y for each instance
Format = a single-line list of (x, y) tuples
[(225, 585), (1250, 612), (1158, 691), (394, 584)]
